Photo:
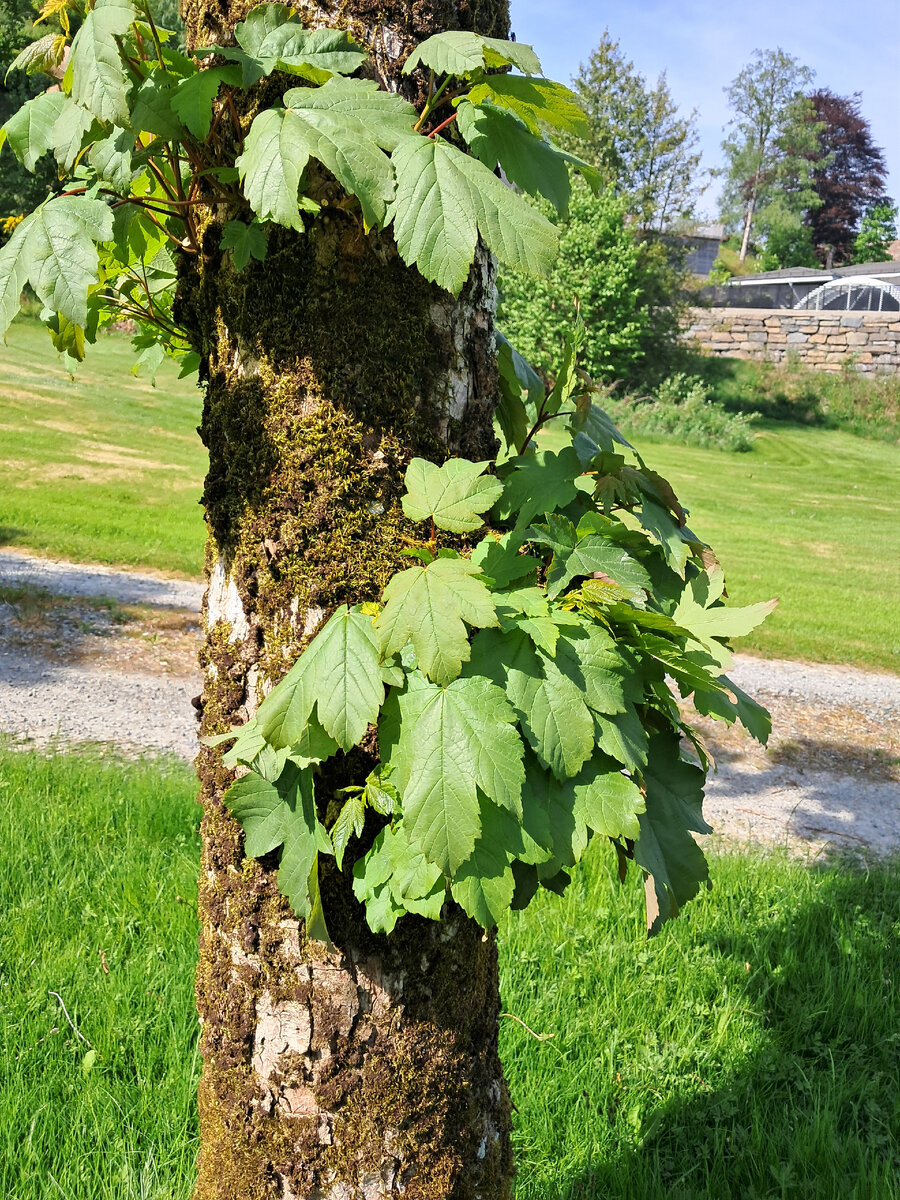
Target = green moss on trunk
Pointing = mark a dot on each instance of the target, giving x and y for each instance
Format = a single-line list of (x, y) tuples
[(372, 1069)]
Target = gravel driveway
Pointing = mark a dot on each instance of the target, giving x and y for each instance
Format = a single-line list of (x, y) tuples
[(830, 775)]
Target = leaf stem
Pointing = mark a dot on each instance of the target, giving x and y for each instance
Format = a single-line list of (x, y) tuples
[(443, 125)]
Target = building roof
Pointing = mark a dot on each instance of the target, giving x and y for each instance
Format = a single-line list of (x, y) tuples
[(789, 274), (878, 269)]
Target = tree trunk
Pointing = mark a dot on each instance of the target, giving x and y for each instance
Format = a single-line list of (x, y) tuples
[(369, 1070)]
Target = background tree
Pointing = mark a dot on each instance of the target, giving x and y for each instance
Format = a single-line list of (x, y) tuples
[(772, 146), (637, 138), (876, 232), (848, 177), (20, 190), (625, 285)]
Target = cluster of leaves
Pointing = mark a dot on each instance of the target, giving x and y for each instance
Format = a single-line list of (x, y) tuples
[(145, 135), (523, 695)]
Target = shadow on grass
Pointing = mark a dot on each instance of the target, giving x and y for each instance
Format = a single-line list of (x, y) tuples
[(815, 1111), (10, 535)]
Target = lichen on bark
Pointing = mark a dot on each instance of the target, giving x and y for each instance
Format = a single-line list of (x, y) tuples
[(369, 1069)]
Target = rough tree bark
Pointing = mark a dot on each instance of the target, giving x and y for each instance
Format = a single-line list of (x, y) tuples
[(372, 1070)]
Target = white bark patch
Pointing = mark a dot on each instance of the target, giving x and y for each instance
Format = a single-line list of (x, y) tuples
[(282, 1027), (223, 603)]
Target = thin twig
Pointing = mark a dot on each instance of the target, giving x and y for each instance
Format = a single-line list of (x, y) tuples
[(69, 1019), (541, 1037)]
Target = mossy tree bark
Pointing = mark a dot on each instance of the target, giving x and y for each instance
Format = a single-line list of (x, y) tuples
[(370, 1070)]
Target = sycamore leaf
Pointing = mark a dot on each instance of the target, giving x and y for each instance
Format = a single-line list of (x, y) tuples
[(60, 255), (29, 130), (734, 705), (501, 561), (660, 522), (351, 820), (445, 199), (152, 110), (394, 878), (537, 484), (484, 884), (75, 129), (244, 241), (458, 52), (453, 741), (575, 556), (497, 137), (382, 118), (549, 823), (607, 801), (428, 607), (193, 98), (666, 850), (717, 620), (13, 275), (537, 102), (111, 159), (338, 673), (44, 55), (452, 495), (273, 38), (99, 82), (275, 155), (622, 736)]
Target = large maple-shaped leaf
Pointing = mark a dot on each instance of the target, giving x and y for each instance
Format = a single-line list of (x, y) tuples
[(274, 158), (538, 483), (453, 741), (666, 850), (380, 117), (498, 137), (75, 129), (13, 275), (537, 102), (453, 495), (459, 52), (192, 99), (430, 606), (272, 37), (338, 673), (111, 158), (29, 130), (607, 801), (283, 813), (484, 884), (99, 82), (60, 256), (445, 198), (575, 556)]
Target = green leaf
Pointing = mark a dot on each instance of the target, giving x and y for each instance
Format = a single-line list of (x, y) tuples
[(548, 817), (99, 82), (60, 255), (717, 620), (575, 556), (428, 607), (44, 55), (623, 737), (111, 159), (152, 110), (273, 38), (75, 129), (243, 241), (380, 117), (29, 130), (393, 878), (537, 484), (193, 98), (666, 850), (453, 741), (350, 820), (458, 52), (445, 199), (537, 102), (735, 705), (658, 521), (484, 884), (452, 495), (338, 673), (498, 137), (274, 158), (263, 809), (606, 801), (501, 561)]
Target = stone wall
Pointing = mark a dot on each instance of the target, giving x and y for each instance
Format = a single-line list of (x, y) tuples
[(829, 340)]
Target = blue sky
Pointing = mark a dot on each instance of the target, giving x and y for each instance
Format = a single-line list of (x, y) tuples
[(702, 46)]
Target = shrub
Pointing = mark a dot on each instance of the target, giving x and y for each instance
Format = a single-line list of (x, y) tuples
[(682, 411), (627, 288)]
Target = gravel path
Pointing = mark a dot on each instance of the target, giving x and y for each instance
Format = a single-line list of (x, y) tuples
[(830, 775), (78, 579)]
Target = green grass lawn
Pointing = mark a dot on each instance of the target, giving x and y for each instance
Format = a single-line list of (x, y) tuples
[(102, 467), (750, 1051)]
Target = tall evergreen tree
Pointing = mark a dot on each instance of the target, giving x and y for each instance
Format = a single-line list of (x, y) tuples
[(637, 138), (849, 177)]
